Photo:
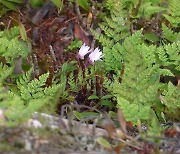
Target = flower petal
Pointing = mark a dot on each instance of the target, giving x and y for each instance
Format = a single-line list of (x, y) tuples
[(95, 55), (83, 51)]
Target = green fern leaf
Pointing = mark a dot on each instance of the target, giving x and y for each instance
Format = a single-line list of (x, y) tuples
[(169, 34), (171, 101), (5, 71), (173, 13), (169, 55)]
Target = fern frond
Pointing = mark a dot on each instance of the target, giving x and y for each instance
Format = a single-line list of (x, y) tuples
[(24, 79), (72, 83), (169, 34), (52, 90), (169, 55), (154, 128), (80, 77), (33, 89), (148, 9), (17, 111), (171, 100), (36, 88), (3, 97), (114, 30), (137, 92), (11, 47), (103, 39), (133, 112), (173, 8), (14, 32), (5, 71), (173, 13), (133, 40)]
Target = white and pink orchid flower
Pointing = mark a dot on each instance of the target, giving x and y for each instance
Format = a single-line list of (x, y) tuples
[(83, 51)]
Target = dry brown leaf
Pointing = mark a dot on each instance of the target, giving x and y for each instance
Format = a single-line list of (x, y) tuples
[(121, 134), (109, 126), (122, 121), (118, 148), (80, 34)]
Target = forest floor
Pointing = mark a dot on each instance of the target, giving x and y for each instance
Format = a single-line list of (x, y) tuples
[(56, 134)]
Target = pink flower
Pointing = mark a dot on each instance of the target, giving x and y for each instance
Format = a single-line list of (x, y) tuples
[(95, 55), (83, 51)]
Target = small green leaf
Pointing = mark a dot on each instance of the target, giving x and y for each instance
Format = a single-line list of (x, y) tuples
[(9, 5), (93, 97), (103, 142), (15, 1), (84, 115), (58, 3), (107, 103), (36, 3), (106, 97), (113, 114), (23, 32), (74, 45), (77, 115), (166, 72), (84, 4), (151, 37)]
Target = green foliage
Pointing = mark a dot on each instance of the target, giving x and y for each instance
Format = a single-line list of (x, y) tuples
[(14, 32), (5, 71), (3, 10), (173, 13), (73, 83), (134, 67), (84, 115), (30, 96), (35, 89), (169, 34), (151, 37), (36, 3), (11, 49), (10, 46), (115, 29), (169, 56), (148, 9), (11, 4), (104, 143), (137, 92), (82, 3), (154, 129), (74, 45), (171, 101), (77, 83), (58, 3), (16, 111)]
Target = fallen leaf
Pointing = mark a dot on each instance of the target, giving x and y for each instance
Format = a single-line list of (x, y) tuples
[(109, 126), (103, 142), (122, 121), (118, 148), (80, 34)]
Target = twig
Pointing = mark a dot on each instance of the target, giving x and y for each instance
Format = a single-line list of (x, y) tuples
[(137, 7)]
